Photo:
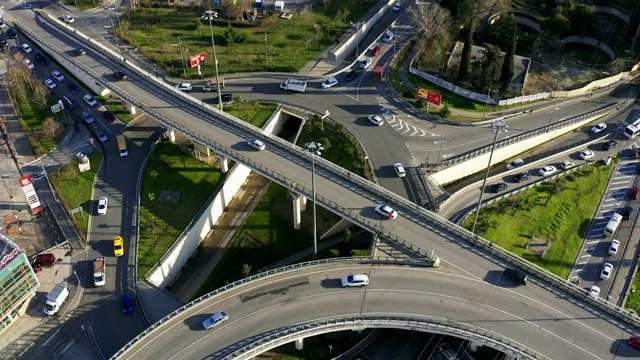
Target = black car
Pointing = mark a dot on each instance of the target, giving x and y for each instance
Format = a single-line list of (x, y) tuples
[(499, 187), (516, 275), (611, 144), (3, 44), (41, 59), (120, 75), (226, 98), (352, 75), (79, 51), (627, 213), (521, 177), (12, 33)]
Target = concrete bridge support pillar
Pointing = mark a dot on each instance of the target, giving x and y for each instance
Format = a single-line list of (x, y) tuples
[(300, 344), (172, 136), (224, 164), (510, 357), (473, 346), (297, 203), (303, 203)]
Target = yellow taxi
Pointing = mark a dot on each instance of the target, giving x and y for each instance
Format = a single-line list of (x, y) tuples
[(118, 246)]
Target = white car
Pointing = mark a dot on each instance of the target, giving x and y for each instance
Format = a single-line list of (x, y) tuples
[(613, 248), (90, 100), (3, 24), (388, 36), (399, 170), (26, 48), (515, 164), (598, 127), (50, 84), (186, 87), (68, 19), (365, 63), (587, 154), (547, 170), (330, 83), (386, 211), (215, 320), (58, 75), (102, 206), (30, 65), (593, 292), (356, 280), (376, 120), (606, 271), (256, 144)]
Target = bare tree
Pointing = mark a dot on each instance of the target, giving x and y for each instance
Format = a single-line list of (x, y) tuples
[(67, 154), (433, 21), (326, 3), (318, 29), (51, 127), (306, 43)]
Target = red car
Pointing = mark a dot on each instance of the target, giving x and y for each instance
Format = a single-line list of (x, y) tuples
[(634, 193), (376, 51), (634, 342)]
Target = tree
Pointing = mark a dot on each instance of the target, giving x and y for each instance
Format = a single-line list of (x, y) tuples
[(501, 30), (465, 61), (51, 127), (307, 42), (445, 111), (246, 270), (237, 100), (507, 67), (326, 3), (490, 64), (152, 196), (433, 21), (346, 234), (582, 20), (558, 25), (464, 12)]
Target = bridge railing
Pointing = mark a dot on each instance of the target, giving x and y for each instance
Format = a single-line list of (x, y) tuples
[(324, 167), (431, 325)]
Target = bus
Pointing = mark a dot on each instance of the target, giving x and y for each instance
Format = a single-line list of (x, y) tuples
[(122, 145), (632, 129)]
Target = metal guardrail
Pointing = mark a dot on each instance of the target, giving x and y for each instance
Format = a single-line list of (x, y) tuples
[(521, 137), (324, 168), (431, 325)]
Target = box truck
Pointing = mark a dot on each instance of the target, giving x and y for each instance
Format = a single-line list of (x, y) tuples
[(294, 85), (98, 272), (211, 85), (613, 224), (122, 145), (56, 297)]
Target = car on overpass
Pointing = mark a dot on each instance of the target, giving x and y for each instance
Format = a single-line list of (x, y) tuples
[(215, 320), (547, 170), (586, 155), (515, 164), (598, 128), (593, 292), (256, 144), (521, 177), (386, 211), (118, 246), (355, 280)]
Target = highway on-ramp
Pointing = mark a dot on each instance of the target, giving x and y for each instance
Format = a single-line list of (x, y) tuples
[(529, 316)]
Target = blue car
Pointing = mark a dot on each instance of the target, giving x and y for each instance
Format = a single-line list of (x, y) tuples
[(73, 88), (127, 306)]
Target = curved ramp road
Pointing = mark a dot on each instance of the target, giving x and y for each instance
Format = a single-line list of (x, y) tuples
[(521, 316)]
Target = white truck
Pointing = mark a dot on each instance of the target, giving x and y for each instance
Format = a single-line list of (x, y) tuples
[(56, 297), (613, 224), (294, 85), (99, 277)]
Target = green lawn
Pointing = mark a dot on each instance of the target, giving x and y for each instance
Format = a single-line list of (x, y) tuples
[(161, 222), (559, 211), (157, 33), (255, 114), (74, 190)]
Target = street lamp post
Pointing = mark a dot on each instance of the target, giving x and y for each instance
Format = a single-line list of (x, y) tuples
[(486, 102), (551, 118), (499, 126), (215, 59), (116, 37), (266, 52), (442, 140), (313, 148)]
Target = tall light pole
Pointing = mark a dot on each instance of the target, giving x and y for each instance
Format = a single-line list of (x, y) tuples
[(215, 59), (116, 37), (551, 118), (313, 148), (442, 140), (184, 70), (498, 127), (266, 52), (486, 102)]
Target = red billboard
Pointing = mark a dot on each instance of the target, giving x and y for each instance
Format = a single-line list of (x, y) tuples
[(429, 96), (30, 193), (198, 59)]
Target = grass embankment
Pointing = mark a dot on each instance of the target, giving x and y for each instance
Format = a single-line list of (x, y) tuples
[(559, 211), (165, 34), (75, 188)]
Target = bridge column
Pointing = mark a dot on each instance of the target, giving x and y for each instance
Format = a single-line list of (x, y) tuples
[(510, 357), (300, 344), (303, 203), (172, 136), (296, 212), (473, 346), (224, 164)]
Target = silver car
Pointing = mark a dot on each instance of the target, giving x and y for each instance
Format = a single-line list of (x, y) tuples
[(215, 320), (256, 144)]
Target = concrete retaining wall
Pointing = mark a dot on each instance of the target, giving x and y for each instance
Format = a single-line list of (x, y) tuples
[(170, 266)]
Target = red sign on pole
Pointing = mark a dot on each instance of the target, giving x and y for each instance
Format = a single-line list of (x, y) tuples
[(198, 59), (429, 96)]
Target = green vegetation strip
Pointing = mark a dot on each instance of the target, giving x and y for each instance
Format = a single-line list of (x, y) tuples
[(162, 220), (559, 211), (74, 188)]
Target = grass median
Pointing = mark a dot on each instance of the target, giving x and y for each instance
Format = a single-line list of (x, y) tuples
[(558, 212)]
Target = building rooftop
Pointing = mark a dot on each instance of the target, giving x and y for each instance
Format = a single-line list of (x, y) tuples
[(8, 251)]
